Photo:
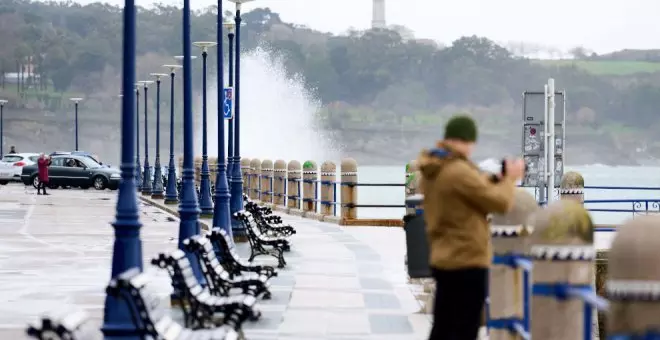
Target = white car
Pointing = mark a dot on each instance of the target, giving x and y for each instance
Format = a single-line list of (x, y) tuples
[(11, 166)]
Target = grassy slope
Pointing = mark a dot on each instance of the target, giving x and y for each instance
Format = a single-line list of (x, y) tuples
[(606, 67)]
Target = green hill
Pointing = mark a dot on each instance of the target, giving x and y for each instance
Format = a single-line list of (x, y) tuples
[(606, 67)]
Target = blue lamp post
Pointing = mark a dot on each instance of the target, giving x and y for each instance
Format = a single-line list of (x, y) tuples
[(2, 128), (171, 194), (75, 103), (230, 26), (205, 202), (157, 188), (221, 211), (188, 208), (127, 248), (138, 171), (146, 176), (237, 178)]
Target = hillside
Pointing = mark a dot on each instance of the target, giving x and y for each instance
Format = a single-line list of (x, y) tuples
[(373, 79)]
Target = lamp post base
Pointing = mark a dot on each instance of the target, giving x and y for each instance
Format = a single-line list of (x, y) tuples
[(157, 192), (146, 180)]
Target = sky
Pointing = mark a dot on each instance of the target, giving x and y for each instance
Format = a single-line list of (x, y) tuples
[(599, 25)]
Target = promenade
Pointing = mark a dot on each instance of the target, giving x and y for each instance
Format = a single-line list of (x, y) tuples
[(340, 283)]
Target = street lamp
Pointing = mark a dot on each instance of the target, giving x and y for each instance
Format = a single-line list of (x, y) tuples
[(76, 101), (188, 208), (157, 188), (230, 27), (2, 128), (127, 247), (146, 177), (138, 170), (171, 194), (237, 178), (205, 202)]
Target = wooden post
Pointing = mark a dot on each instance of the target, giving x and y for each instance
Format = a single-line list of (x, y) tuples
[(328, 180), (279, 178), (255, 191), (293, 178), (349, 177), (246, 172), (633, 285), (563, 254), (310, 173), (509, 285), (266, 191)]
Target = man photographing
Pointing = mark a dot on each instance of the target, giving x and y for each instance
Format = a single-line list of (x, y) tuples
[(457, 199)]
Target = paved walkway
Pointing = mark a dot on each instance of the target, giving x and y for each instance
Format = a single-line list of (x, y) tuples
[(341, 283)]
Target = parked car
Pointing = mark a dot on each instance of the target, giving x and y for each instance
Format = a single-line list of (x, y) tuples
[(74, 171), (11, 166), (80, 153)]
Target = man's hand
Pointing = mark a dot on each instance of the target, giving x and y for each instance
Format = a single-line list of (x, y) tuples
[(515, 169)]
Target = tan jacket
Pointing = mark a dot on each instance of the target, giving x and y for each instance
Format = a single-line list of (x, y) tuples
[(457, 199)]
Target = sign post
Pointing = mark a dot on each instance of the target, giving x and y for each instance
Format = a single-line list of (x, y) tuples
[(543, 140), (228, 103)]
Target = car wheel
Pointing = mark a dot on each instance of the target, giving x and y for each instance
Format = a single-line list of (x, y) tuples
[(4, 182), (35, 181), (100, 183)]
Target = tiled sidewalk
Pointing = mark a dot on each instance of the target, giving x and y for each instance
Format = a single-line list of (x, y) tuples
[(338, 287)]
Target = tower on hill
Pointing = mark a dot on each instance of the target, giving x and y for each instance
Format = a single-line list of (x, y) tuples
[(378, 15)]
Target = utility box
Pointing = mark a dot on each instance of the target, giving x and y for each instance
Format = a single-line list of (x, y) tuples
[(417, 246)]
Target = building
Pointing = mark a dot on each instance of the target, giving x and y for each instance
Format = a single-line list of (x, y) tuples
[(378, 15)]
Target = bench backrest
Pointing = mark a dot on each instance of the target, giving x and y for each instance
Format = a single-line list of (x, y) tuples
[(66, 325), (204, 250)]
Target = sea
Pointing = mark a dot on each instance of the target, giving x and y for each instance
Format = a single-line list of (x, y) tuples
[(629, 177)]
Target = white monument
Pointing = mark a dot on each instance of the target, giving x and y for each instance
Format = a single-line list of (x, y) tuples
[(378, 15)]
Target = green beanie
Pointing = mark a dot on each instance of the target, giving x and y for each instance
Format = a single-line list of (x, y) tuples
[(461, 128)]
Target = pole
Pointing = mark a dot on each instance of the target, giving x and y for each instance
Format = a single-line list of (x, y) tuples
[(171, 194), (550, 144), (157, 188), (127, 247), (76, 119), (237, 185), (230, 138), (2, 129), (221, 215), (138, 172), (146, 176), (205, 203), (188, 208)]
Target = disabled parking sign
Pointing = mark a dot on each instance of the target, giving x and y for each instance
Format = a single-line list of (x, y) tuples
[(228, 103)]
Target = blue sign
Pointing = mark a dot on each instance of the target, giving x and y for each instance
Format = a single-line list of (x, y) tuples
[(228, 103)]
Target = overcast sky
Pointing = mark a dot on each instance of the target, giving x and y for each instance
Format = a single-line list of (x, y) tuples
[(600, 25)]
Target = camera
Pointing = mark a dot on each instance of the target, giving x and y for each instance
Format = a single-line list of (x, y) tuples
[(496, 178)]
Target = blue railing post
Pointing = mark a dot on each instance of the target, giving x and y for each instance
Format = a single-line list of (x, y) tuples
[(127, 247)]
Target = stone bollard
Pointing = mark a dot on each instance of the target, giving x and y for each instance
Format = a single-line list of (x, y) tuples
[(328, 194), (412, 176), (509, 300), (633, 285), (572, 188), (246, 171), (255, 190), (267, 181), (310, 175), (563, 254), (293, 177), (279, 187), (349, 197)]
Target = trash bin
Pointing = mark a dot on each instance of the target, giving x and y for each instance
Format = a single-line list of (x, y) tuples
[(417, 248)]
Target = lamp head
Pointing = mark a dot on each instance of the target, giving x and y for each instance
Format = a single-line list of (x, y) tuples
[(172, 67), (180, 57), (3, 101), (204, 45), (229, 26), (146, 83), (239, 3), (75, 100), (158, 75)]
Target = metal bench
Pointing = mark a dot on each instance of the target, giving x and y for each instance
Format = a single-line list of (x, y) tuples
[(219, 280), (198, 305), (152, 320), (230, 259), (69, 325), (264, 221), (261, 244)]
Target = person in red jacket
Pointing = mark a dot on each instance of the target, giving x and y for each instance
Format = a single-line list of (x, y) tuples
[(42, 164)]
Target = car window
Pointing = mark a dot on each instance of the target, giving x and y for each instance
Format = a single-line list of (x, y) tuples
[(12, 158), (57, 162), (34, 158), (90, 162)]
